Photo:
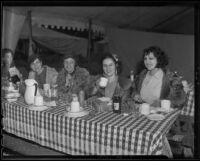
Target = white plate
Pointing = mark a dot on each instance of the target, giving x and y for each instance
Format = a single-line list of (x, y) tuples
[(104, 99), (12, 95), (155, 117), (38, 108), (12, 99), (77, 114)]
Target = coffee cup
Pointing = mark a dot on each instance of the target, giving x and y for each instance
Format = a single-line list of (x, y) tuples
[(145, 109), (103, 82), (165, 104), (38, 101)]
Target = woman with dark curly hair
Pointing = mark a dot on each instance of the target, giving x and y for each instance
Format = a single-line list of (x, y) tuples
[(116, 85), (154, 82)]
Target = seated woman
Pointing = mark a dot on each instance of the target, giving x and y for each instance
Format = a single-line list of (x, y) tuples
[(9, 72), (72, 78), (43, 74), (116, 86), (156, 82)]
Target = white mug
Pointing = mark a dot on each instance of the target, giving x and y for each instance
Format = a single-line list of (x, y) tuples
[(145, 109), (38, 100), (103, 82), (165, 104)]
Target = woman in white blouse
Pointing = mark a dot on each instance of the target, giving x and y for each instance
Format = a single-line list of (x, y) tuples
[(154, 82)]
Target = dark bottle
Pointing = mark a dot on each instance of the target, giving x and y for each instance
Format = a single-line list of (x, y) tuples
[(117, 104)]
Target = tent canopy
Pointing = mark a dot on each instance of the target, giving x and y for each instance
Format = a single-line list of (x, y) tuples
[(163, 19), (128, 30)]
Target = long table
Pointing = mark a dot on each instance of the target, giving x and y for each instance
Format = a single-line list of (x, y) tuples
[(102, 133)]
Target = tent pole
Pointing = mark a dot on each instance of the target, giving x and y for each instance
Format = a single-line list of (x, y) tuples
[(89, 43), (30, 52)]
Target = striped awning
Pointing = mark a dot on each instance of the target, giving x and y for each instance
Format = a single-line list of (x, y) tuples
[(69, 24)]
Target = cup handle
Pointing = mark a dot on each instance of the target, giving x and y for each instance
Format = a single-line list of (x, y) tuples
[(35, 89)]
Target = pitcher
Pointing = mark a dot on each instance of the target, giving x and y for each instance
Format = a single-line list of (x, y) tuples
[(31, 91)]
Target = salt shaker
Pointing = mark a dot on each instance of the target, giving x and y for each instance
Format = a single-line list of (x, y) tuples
[(81, 98)]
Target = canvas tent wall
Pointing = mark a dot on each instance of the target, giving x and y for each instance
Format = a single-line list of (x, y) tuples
[(15, 26), (128, 44), (60, 43)]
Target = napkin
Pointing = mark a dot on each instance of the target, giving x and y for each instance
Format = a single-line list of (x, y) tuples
[(50, 103)]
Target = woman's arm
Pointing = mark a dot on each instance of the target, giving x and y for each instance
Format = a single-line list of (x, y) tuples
[(136, 87), (93, 85)]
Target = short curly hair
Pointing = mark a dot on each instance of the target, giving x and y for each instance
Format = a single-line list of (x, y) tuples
[(162, 58)]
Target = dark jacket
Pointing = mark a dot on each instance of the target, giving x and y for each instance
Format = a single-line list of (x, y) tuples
[(167, 90)]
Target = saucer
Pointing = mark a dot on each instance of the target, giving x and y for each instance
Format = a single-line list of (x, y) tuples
[(12, 95), (38, 108), (11, 99), (156, 117), (77, 114)]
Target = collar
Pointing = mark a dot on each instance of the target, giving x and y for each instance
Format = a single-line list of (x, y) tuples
[(158, 74)]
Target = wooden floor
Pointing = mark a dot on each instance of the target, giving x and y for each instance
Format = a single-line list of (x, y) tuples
[(7, 153), (177, 150)]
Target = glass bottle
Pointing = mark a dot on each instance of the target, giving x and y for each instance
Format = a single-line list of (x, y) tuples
[(82, 98), (132, 75), (117, 104)]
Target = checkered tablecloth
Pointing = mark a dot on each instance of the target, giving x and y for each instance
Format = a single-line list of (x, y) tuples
[(188, 110), (104, 133)]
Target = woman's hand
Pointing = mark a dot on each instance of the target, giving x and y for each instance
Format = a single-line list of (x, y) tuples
[(97, 83), (96, 87), (31, 75), (137, 98), (40, 92)]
